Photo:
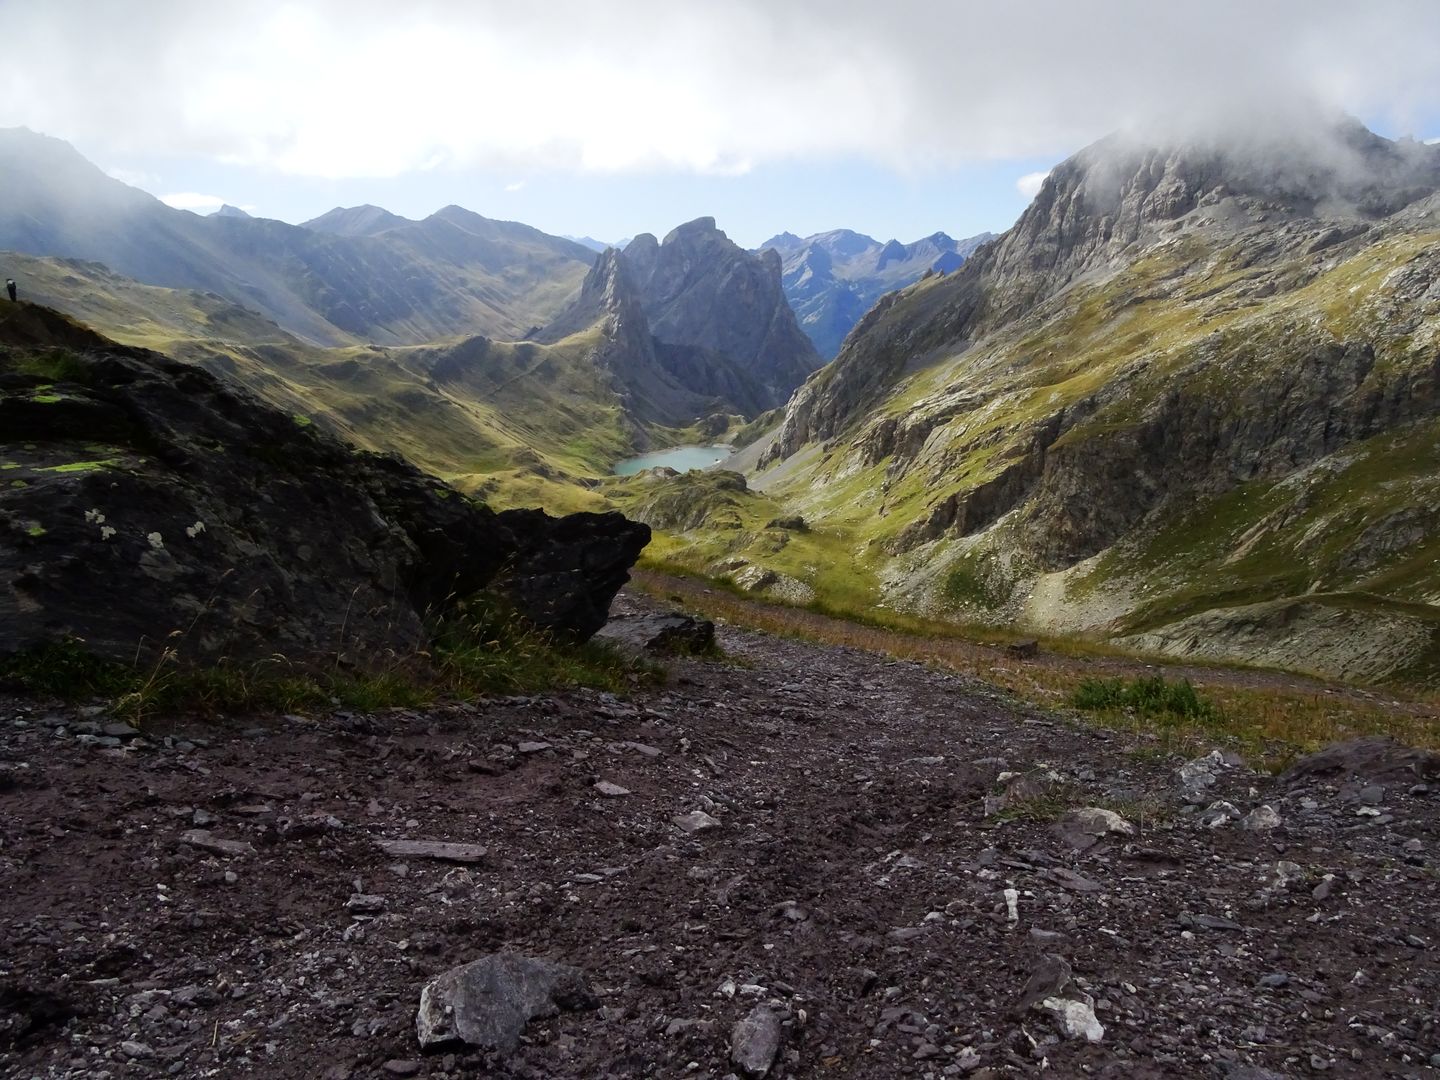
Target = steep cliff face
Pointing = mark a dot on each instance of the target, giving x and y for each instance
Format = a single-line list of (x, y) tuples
[(1171, 390), (701, 290)]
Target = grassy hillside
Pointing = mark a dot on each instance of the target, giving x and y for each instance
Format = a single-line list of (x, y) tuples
[(1209, 452)]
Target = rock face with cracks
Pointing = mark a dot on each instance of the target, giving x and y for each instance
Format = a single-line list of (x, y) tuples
[(150, 507)]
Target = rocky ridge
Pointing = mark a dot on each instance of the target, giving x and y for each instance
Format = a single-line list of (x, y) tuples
[(352, 275), (148, 507)]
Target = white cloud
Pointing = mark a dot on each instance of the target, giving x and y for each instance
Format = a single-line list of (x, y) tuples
[(1029, 184), (350, 88), (193, 200), (517, 185)]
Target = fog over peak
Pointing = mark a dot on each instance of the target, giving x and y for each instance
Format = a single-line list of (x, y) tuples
[(362, 88)]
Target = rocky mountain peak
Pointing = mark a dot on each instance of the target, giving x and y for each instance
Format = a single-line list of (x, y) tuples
[(700, 289)]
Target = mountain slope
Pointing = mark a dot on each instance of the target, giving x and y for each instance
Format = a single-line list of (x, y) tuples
[(1190, 401), (365, 276), (831, 279)]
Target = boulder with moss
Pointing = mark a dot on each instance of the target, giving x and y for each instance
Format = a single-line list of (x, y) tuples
[(147, 506)]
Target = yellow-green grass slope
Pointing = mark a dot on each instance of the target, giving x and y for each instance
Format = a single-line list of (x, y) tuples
[(1207, 453)]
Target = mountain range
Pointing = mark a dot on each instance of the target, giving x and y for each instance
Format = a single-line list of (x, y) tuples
[(832, 278), (350, 276), (1189, 403)]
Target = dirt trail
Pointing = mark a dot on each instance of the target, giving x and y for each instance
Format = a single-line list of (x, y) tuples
[(852, 885), (969, 654)]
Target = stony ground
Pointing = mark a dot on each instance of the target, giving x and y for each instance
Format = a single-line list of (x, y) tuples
[(866, 874)]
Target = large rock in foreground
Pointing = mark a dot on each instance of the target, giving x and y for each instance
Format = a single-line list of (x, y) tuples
[(145, 505), (488, 1002)]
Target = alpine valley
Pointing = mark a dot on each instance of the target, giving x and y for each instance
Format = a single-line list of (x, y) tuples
[(1189, 404)]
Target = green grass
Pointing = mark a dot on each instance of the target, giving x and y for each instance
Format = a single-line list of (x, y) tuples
[(1151, 697), (481, 650)]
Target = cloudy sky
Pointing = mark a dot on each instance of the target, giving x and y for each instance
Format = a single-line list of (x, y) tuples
[(610, 118)]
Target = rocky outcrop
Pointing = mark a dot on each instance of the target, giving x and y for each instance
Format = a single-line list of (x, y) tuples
[(658, 381), (147, 507), (701, 290)]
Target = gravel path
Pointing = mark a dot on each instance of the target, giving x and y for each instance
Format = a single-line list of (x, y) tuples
[(865, 881)]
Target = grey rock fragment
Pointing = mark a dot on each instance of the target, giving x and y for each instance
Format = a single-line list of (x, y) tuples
[(488, 1002), (613, 791), (659, 633), (1262, 819), (1083, 829), (206, 841), (442, 850), (696, 821), (755, 1041), (1053, 992)]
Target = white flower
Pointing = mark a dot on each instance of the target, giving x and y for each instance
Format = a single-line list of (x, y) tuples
[(156, 541), (106, 532), (95, 517), (195, 530)]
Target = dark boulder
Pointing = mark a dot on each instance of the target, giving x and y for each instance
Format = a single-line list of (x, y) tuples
[(488, 1002), (147, 506), (1374, 757)]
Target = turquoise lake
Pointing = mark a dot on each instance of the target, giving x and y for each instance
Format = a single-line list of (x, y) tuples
[(679, 458)]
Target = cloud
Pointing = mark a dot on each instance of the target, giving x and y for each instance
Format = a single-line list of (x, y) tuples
[(193, 200), (1029, 184), (365, 88), (517, 185)]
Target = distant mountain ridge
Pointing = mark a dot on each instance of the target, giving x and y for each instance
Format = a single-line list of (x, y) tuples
[(352, 275), (832, 278)]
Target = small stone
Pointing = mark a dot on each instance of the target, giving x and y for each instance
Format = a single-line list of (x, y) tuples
[(612, 791), (532, 747), (396, 1067), (1075, 1019), (696, 821), (1371, 795), (365, 904), (755, 1041), (1084, 828), (1261, 819), (133, 1049)]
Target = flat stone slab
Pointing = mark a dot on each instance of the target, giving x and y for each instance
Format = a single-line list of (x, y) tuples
[(208, 841), (442, 850)]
